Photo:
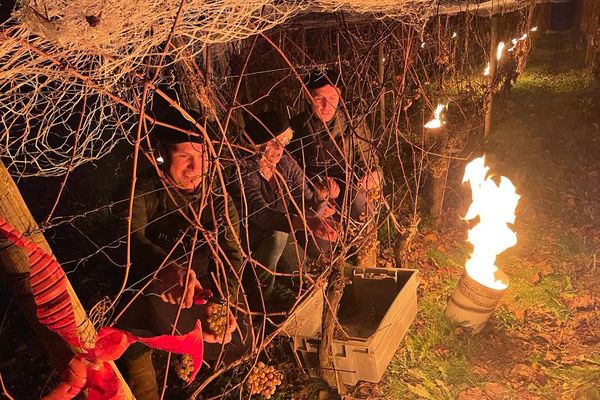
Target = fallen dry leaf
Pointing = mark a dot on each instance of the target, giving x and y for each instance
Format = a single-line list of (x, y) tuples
[(535, 278), (480, 370), (550, 356), (520, 314), (459, 331), (495, 391), (431, 237), (471, 394), (528, 374), (369, 390), (440, 350), (585, 302), (544, 268), (525, 394)]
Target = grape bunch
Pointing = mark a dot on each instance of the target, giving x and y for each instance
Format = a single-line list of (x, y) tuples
[(184, 367), (263, 380), (217, 321)]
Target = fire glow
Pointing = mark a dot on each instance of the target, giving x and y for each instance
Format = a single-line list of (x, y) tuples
[(495, 205), (515, 41), (500, 50), (436, 122)]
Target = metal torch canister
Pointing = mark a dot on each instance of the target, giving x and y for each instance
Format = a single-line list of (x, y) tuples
[(472, 303)]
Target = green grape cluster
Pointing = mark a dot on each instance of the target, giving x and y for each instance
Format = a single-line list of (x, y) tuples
[(217, 321), (184, 367), (263, 380)]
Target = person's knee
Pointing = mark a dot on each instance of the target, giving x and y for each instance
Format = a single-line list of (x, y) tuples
[(273, 245), (361, 207), (279, 240)]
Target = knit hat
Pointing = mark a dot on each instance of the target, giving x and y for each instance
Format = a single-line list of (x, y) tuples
[(265, 126), (164, 112), (317, 78)]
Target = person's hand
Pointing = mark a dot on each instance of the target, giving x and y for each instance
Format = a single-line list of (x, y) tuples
[(328, 189), (210, 337), (325, 210), (322, 229), (172, 288)]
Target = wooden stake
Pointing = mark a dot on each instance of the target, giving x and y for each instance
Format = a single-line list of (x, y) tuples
[(14, 270), (381, 82), (490, 79)]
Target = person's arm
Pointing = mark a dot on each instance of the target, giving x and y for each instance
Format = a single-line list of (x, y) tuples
[(366, 153), (316, 194), (315, 197), (146, 256), (302, 135), (300, 188), (172, 283), (227, 216), (260, 211)]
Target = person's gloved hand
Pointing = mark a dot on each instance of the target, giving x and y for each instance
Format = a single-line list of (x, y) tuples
[(326, 210), (172, 288), (328, 189), (372, 181), (324, 229)]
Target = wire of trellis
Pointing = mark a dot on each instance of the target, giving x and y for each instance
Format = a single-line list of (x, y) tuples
[(66, 59)]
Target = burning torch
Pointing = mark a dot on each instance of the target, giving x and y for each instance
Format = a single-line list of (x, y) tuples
[(482, 284)]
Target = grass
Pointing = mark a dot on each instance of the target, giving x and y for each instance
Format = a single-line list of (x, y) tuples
[(433, 362), (540, 132)]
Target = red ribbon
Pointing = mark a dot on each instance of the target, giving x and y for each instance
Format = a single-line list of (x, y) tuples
[(91, 369)]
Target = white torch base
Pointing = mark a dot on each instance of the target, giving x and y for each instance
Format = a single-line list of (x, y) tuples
[(472, 303)]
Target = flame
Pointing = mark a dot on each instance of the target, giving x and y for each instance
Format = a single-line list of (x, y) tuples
[(500, 50), (486, 71), (514, 41), (495, 205), (534, 29), (436, 122), (454, 35)]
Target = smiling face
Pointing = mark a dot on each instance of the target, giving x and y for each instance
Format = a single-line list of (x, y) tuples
[(274, 147), (187, 163), (325, 102)]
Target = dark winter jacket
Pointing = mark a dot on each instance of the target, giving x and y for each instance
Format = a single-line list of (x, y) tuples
[(268, 203), (335, 151), (160, 218)]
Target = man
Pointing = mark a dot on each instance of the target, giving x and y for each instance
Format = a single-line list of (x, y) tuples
[(278, 201), (174, 218), (327, 146)]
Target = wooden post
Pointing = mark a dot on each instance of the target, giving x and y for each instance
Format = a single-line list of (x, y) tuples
[(490, 79), (381, 63), (14, 270)]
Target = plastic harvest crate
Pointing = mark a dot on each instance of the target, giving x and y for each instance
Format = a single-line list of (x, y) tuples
[(376, 311)]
